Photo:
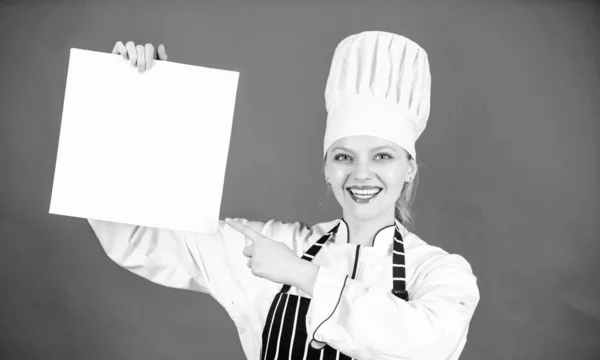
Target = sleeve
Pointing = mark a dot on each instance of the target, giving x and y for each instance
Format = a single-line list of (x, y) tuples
[(214, 265), (371, 323)]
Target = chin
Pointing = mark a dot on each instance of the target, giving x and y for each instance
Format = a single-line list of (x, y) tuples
[(368, 212)]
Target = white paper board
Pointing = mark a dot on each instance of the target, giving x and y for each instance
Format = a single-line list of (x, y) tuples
[(148, 148)]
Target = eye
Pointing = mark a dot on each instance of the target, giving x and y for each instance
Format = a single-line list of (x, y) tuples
[(387, 156), (341, 157)]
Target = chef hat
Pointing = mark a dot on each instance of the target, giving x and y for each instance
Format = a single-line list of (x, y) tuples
[(379, 84)]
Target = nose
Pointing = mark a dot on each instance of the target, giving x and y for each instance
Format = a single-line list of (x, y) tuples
[(363, 171)]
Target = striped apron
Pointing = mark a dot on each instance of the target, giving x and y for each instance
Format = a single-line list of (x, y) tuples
[(284, 335)]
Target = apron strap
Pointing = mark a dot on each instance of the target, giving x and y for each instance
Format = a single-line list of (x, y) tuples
[(399, 267)]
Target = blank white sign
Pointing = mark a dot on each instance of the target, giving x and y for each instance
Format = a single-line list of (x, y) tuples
[(146, 149)]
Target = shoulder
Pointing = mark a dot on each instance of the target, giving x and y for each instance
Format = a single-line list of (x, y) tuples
[(429, 258)]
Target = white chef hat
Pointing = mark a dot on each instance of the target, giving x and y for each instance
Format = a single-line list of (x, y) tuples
[(379, 84)]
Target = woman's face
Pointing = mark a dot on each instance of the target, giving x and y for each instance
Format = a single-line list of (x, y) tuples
[(367, 174)]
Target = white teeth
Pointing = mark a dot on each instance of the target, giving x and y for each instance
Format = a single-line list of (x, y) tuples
[(367, 193)]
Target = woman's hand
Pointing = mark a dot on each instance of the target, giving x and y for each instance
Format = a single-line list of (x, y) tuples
[(140, 56), (275, 261)]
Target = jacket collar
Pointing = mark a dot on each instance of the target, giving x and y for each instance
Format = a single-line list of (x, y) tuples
[(383, 239)]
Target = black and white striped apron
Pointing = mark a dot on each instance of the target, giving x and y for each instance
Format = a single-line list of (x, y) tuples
[(284, 335)]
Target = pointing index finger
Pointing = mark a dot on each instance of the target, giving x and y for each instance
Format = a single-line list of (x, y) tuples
[(246, 230)]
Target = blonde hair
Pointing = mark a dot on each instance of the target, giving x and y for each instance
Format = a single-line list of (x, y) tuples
[(407, 197)]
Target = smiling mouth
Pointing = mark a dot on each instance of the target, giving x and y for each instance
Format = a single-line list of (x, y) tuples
[(364, 195)]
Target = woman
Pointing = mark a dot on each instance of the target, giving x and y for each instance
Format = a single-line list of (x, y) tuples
[(360, 287)]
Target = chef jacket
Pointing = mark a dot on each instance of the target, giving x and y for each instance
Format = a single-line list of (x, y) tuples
[(359, 316)]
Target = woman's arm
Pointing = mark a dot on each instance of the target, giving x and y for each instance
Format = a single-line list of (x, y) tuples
[(369, 322), (210, 264)]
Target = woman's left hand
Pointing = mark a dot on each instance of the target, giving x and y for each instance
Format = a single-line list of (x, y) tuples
[(271, 259)]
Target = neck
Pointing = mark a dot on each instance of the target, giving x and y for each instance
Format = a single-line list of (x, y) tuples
[(362, 232)]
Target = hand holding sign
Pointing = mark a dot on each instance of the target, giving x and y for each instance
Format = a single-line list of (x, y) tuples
[(140, 56)]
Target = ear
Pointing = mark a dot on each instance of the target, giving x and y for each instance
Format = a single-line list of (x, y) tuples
[(412, 169)]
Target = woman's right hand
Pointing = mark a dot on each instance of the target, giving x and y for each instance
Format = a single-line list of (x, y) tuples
[(140, 56)]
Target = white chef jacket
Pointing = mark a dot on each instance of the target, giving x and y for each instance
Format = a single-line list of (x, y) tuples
[(360, 317)]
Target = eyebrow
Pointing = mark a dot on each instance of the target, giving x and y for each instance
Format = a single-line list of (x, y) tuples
[(376, 149)]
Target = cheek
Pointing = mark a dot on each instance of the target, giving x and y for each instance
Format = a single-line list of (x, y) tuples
[(394, 179), (338, 176)]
